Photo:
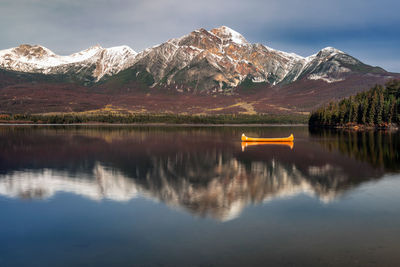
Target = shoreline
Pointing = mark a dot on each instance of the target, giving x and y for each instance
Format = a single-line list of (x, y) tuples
[(160, 119), (160, 124), (358, 127)]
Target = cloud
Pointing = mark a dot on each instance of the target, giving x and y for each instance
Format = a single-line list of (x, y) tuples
[(67, 26)]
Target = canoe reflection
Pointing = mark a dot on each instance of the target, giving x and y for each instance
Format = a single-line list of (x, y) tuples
[(247, 144)]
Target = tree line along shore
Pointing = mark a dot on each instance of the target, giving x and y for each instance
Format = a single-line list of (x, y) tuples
[(153, 118), (378, 107)]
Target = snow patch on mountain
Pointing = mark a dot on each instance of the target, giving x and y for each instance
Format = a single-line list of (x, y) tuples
[(228, 34), (39, 57), (332, 51), (324, 77), (113, 60), (290, 56), (258, 80)]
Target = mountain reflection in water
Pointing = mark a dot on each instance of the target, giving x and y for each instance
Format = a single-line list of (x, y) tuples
[(204, 171)]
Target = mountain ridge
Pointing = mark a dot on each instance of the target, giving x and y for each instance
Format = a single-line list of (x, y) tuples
[(95, 60), (201, 60)]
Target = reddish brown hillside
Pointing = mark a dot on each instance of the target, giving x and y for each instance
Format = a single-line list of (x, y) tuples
[(19, 96)]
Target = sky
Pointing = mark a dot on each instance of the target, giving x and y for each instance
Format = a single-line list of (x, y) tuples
[(366, 29)]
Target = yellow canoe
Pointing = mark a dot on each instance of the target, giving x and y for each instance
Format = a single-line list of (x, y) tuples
[(283, 139)]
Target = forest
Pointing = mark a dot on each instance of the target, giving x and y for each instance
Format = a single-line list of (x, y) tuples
[(378, 107)]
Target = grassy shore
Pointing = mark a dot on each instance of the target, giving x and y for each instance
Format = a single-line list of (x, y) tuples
[(154, 118)]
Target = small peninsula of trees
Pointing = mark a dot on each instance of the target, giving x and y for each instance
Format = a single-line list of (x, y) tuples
[(378, 107)]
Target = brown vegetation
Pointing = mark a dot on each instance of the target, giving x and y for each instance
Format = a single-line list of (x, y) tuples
[(21, 95)]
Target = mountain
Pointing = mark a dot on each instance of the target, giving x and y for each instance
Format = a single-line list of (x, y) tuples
[(174, 77), (91, 64), (222, 58)]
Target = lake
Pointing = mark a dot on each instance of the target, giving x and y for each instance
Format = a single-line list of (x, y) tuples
[(197, 196)]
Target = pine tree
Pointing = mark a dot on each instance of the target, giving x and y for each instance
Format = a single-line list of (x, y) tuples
[(360, 113), (393, 88), (396, 114), (351, 111), (354, 111), (372, 109), (379, 107), (342, 112), (364, 111), (391, 104)]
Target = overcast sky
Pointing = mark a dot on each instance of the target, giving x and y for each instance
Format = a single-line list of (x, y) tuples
[(366, 29)]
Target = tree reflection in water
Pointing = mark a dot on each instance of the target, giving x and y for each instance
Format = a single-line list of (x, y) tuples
[(378, 148)]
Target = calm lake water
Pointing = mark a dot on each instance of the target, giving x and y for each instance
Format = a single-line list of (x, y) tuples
[(195, 196)]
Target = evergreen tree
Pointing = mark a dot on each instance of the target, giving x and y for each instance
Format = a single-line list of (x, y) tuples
[(372, 109), (354, 112), (391, 105), (342, 112), (393, 88), (379, 106), (364, 111)]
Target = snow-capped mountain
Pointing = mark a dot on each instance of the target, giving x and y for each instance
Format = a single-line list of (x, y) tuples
[(222, 58), (94, 62), (217, 58), (212, 61)]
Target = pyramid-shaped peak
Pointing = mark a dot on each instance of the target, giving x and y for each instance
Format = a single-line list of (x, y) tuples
[(122, 49), (227, 33), (95, 47), (331, 50)]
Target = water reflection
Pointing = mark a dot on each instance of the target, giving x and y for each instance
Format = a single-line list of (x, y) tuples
[(44, 184), (246, 144), (379, 148), (181, 167)]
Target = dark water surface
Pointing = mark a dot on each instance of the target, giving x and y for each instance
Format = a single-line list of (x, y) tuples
[(194, 196)]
